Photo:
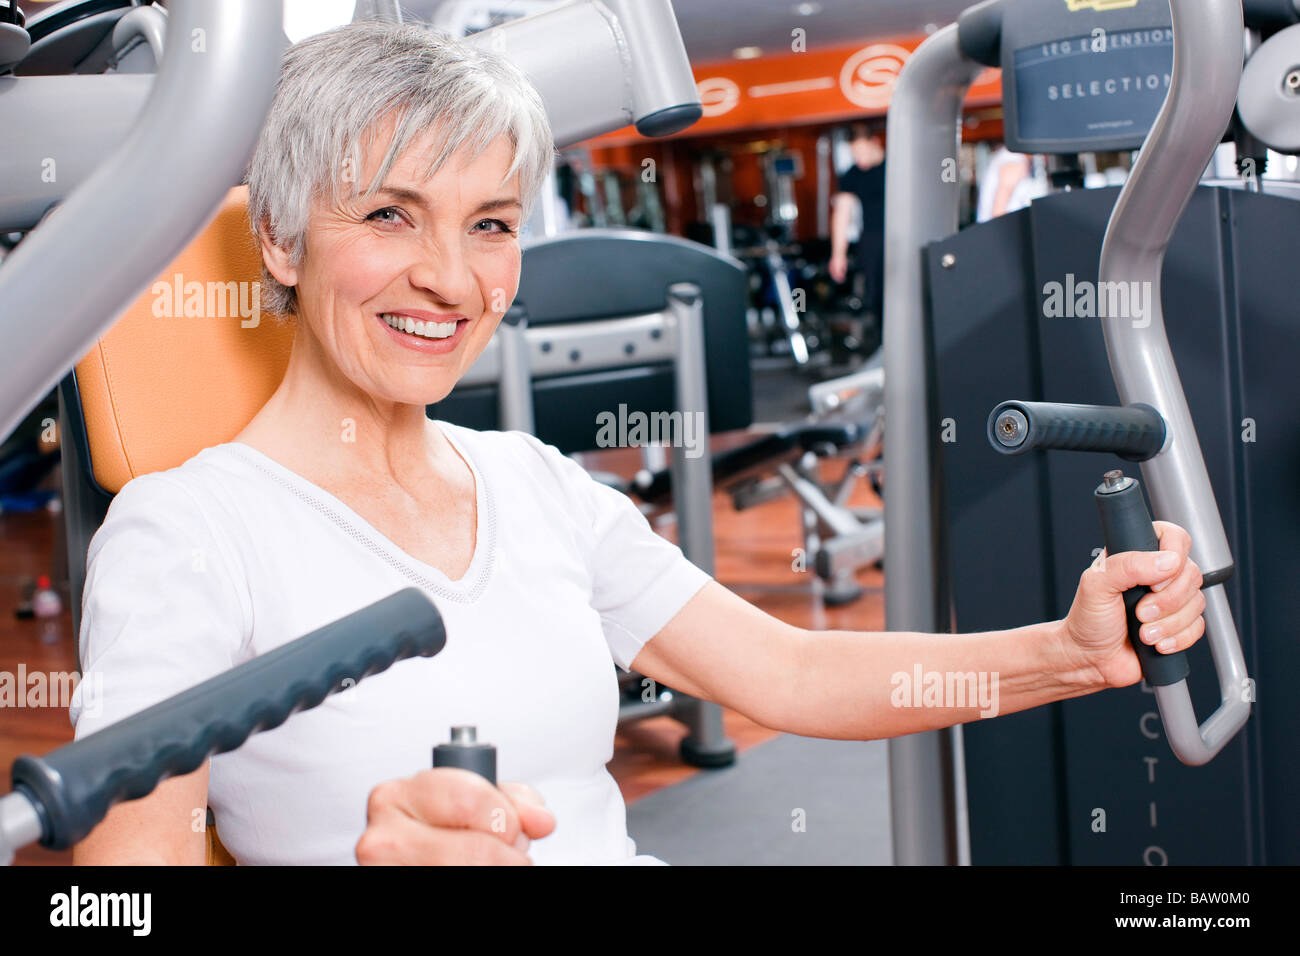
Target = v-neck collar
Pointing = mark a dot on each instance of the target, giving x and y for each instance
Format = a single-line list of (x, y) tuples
[(467, 589)]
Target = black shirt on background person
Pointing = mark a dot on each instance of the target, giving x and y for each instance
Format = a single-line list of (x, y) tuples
[(869, 186)]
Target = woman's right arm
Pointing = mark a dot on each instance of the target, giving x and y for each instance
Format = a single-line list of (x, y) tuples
[(162, 611), (168, 828)]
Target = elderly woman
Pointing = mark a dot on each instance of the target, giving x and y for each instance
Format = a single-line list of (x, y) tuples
[(387, 192)]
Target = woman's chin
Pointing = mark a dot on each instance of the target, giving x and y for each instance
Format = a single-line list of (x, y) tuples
[(413, 393), (424, 397)]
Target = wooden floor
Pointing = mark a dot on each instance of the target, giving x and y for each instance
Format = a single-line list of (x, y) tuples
[(754, 557)]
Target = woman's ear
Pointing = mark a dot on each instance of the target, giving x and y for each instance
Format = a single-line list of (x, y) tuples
[(276, 258)]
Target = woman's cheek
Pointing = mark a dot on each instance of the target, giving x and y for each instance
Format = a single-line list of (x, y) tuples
[(373, 270), (503, 283)]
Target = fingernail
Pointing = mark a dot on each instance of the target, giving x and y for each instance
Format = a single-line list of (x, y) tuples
[(1147, 613), (1152, 634), (1166, 645), (1166, 560)]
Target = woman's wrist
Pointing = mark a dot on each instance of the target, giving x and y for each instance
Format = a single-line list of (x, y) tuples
[(1063, 658)]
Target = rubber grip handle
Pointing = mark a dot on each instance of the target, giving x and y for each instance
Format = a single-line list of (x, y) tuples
[(1133, 432), (1126, 526), (74, 787)]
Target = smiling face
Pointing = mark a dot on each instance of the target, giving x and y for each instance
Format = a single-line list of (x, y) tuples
[(438, 258)]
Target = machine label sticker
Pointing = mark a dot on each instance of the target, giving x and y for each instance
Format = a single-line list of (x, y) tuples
[(1076, 88)]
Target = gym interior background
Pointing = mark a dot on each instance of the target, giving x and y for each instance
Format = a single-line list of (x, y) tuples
[(774, 204)]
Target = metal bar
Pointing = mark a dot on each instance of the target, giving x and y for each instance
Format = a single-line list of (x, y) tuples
[(720, 219), (43, 161), (847, 553), (81, 518), (147, 23), (920, 207), (776, 266), (545, 221), (1197, 109), (859, 389), (825, 175), (20, 825), (641, 710), (515, 393), (692, 474), (389, 10), (160, 187), (570, 347), (634, 68), (662, 84), (603, 343), (693, 494), (836, 518)]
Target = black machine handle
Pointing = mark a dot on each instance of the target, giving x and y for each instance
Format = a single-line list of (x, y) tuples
[(1133, 432), (74, 787), (1126, 526), (465, 751)]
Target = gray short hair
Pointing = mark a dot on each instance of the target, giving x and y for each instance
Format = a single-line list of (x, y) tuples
[(337, 86)]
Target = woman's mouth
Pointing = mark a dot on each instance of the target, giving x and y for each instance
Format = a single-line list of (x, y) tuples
[(425, 335)]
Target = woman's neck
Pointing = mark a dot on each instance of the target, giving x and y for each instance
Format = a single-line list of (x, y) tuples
[(320, 425)]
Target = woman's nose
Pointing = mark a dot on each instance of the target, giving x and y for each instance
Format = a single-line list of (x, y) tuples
[(443, 269)]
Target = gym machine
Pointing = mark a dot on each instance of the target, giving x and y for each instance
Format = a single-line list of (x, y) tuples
[(974, 321), (839, 538)]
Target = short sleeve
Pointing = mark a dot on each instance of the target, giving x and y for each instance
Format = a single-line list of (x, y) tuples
[(640, 580), (160, 610)]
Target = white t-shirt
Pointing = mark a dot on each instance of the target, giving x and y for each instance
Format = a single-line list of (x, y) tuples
[(203, 566)]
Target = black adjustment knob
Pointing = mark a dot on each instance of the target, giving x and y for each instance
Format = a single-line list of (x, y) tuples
[(466, 752)]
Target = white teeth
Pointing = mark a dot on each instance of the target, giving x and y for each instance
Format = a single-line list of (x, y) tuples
[(428, 330)]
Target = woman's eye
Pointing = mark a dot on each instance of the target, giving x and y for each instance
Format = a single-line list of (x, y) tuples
[(387, 214), (505, 229)]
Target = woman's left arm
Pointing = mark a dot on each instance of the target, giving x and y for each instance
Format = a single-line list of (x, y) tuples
[(863, 686)]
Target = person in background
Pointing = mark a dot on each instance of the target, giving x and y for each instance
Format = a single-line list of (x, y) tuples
[(864, 182), (1008, 184)]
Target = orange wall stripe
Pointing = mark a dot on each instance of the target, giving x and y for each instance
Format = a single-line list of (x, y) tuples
[(825, 85)]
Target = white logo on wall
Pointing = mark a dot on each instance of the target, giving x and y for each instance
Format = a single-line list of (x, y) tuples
[(868, 76), (718, 95)]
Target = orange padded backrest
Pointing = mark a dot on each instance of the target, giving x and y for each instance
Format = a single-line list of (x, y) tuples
[(190, 363)]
